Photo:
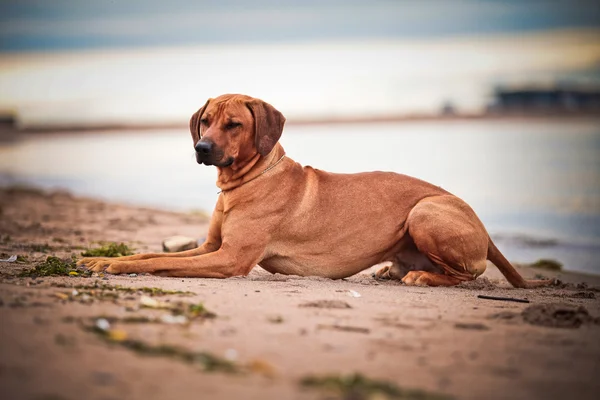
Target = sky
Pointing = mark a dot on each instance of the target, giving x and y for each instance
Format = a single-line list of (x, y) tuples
[(30, 25), (146, 61)]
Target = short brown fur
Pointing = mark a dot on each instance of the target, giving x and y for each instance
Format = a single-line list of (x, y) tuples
[(299, 220)]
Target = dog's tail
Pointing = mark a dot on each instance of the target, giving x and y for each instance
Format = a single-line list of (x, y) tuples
[(511, 274)]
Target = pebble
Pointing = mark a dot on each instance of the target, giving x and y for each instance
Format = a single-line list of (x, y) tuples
[(102, 324), (133, 275), (178, 243), (174, 319), (231, 354)]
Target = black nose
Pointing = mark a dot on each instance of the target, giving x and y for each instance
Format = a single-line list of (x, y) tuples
[(203, 147)]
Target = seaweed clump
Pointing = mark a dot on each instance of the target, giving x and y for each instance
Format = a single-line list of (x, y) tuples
[(359, 387), (547, 264), (54, 266), (196, 311), (109, 249)]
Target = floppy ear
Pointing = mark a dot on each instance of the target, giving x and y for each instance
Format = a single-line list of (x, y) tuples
[(195, 121), (268, 125)]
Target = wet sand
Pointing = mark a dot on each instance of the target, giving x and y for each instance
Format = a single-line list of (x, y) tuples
[(277, 329)]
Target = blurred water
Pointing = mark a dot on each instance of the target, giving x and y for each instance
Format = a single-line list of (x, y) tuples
[(527, 180), (304, 79)]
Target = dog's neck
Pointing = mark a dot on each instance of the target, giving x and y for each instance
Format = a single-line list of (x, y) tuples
[(230, 178)]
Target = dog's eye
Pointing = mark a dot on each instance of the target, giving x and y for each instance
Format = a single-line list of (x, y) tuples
[(204, 121), (231, 125)]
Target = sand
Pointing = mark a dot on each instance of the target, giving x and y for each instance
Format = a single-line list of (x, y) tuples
[(276, 329)]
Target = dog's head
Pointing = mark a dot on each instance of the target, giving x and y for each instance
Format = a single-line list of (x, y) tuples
[(233, 128)]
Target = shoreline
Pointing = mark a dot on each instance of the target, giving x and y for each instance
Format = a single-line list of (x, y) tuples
[(9, 129)]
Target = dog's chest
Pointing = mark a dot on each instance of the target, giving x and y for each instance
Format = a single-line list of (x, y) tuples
[(298, 265)]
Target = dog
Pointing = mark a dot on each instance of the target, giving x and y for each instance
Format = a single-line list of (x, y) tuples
[(297, 220)]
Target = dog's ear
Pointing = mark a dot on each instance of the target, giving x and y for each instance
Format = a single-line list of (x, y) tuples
[(195, 121), (268, 125)]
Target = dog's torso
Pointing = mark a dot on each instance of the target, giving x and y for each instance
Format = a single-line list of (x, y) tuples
[(325, 224)]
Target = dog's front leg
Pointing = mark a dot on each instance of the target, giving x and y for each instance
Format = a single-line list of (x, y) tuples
[(97, 264), (218, 264), (212, 243)]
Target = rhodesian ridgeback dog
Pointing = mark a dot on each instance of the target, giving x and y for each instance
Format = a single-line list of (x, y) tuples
[(291, 219)]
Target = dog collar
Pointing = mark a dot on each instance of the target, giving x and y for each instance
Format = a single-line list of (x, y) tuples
[(270, 167)]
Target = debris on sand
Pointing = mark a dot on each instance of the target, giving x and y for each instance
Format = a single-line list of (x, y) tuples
[(54, 266), (344, 328), (194, 311), (171, 319), (482, 296), (481, 283), (149, 302), (583, 295), (208, 362), (262, 367), (89, 293), (547, 264), (504, 315), (275, 319), (15, 258), (189, 311), (109, 249), (102, 324), (471, 326), (358, 387), (149, 291), (326, 304), (558, 315)]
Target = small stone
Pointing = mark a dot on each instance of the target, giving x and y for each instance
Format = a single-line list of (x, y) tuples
[(178, 243), (133, 275), (174, 319), (231, 354), (102, 324)]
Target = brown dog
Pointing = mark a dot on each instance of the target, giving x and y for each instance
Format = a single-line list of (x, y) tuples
[(298, 220)]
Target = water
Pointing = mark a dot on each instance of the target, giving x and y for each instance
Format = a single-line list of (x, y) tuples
[(303, 80), (535, 184)]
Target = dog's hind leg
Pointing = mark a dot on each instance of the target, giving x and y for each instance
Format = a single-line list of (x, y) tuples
[(424, 278), (447, 231), (392, 270), (404, 259)]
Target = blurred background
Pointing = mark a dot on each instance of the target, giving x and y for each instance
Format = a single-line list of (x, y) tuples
[(496, 101)]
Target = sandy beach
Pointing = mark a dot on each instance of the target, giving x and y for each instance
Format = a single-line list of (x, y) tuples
[(262, 336)]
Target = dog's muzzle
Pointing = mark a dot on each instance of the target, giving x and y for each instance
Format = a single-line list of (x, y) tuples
[(208, 154)]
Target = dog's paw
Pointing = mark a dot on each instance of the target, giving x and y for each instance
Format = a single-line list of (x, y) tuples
[(99, 265), (102, 264), (90, 261), (416, 278), (116, 267), (382, 273)]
